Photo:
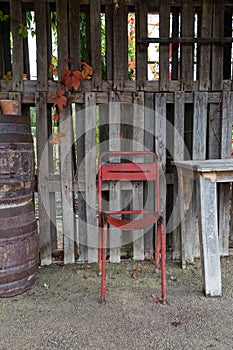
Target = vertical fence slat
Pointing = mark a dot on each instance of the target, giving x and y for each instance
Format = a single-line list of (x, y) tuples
[(200, 125), (160, 144), (205, 50), (120, 39), (214, 130), (109, 41), (199, 152), (17, 65), (138, 137), (68, 215), (142, 30), (43, 191), (187, 28), (81, 208), (90, 175), (115, 189), (96, 45), (178, 155), (191, 239), (224, 188), (164, 25), (68, 219), (149, 145), (217, 50), (41, 39), (74, 30)]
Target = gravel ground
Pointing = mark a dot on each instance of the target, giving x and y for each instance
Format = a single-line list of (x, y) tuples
[(61, 311)]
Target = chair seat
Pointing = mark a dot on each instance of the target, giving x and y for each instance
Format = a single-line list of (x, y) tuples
[(132, 224)]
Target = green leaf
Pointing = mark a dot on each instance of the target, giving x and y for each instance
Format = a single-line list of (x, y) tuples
[(3, 17)]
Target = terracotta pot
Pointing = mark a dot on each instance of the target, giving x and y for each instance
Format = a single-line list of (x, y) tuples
[(10, 106)]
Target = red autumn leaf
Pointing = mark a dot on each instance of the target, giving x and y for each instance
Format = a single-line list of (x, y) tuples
[(87, 70), (71, 79), (52, 96), (76, 77), (56, 139), (56, 117), (60, 100)]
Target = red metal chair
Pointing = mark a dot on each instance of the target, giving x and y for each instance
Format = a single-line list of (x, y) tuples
[(130, 170)]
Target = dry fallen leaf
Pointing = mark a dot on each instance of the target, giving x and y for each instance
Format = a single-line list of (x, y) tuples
[(138, 269), (156, 298), (87, 266), (134, 275), (176, 323)]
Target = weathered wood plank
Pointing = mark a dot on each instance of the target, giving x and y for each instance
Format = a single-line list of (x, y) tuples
[(80, 176), (208, 230), (160, 127), (68, 216), (224, 189), (217, 50), (41, 39), (164, 25), (138, 138), (43, 192), (149, 124), (187, 27), (109, 13), (179, 114), (17, 65), (200, 114), (141, 57), (205, 50), (74, 34), (226, 132), (160, 145), (90, 175), (200, 125), (95, 31), (120, 36), (115, 235), (186, 219), (214, 132)]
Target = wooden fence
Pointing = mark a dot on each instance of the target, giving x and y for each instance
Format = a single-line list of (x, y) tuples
[(185, 111)]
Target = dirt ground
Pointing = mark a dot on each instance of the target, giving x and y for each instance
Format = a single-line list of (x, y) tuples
[(62, 310)]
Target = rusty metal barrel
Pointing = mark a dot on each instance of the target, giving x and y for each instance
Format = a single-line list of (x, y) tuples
[(18, 227)]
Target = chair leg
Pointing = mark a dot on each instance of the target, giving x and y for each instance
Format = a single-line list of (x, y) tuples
[(100, 244), (104, 254), (163, 261), (158, 246)]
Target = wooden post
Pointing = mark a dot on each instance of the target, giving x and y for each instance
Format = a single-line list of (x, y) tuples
[(90, 175), (43, 188), (177, 155), (115, 235), (138, 137), (208, 231)]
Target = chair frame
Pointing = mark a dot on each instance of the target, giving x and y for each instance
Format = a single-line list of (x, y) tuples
[(130, 171)]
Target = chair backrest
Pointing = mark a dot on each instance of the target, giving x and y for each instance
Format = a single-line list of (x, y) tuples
[(128, 170), (128, 166)]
